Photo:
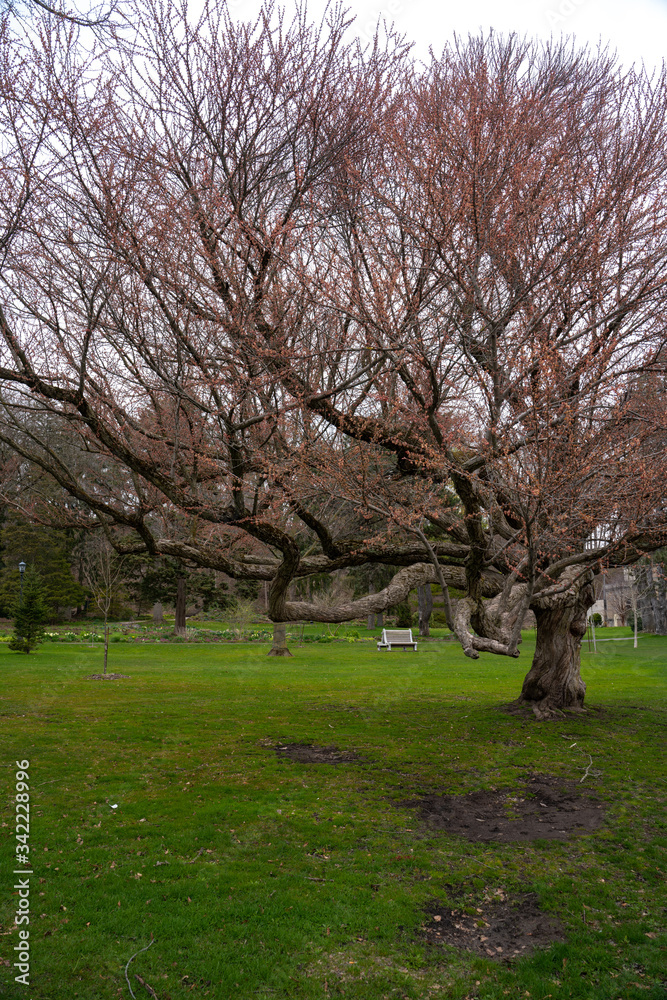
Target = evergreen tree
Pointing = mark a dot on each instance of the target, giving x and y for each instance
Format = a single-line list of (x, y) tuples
[(156, 579), (404, 616), (49, 551), (247, 590), (30, 614)]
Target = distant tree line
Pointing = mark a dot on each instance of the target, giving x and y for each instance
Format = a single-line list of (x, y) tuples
[(58, 555)]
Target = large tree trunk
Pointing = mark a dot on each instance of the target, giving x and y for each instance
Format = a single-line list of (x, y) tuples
[(554, 682), (425, 599), (179, 624), (279, 647)]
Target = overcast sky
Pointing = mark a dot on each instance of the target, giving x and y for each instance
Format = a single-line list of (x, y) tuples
[(637, 29)]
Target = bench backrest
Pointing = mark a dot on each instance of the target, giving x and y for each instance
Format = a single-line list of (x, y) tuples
[(397, 635)]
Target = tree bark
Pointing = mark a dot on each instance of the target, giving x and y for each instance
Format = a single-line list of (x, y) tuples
[(554, 682), (644, 592), (279, 647), (179, 624), (370, 621), (425, 599), (660, 614)]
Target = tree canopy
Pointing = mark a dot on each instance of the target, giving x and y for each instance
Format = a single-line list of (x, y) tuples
[(277, 305)]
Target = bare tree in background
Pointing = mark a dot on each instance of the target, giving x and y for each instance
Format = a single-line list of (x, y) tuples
[(618, 596), (652, 594), (102, 573)]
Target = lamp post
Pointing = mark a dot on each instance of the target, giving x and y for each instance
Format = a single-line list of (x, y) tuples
[(21, 571)]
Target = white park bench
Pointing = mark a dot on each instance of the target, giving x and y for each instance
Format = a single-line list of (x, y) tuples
[(397, 637)]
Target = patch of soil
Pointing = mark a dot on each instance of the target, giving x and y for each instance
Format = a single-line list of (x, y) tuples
[(106, 677), (305, 753), (546, 808), (500, 928)]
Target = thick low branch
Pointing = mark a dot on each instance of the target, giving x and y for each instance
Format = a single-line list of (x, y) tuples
[(394, 593)]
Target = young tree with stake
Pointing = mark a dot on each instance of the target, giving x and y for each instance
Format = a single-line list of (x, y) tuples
[(103, 573)]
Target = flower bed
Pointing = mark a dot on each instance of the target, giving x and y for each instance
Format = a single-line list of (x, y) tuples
[(133, 633)]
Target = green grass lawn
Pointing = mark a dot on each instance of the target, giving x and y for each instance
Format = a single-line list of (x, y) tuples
[(258, 877)]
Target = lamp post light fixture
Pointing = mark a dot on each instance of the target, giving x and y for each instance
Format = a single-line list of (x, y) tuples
[(21, 571)]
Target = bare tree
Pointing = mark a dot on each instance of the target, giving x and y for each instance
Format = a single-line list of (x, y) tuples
[(618, 587), (102, 573), (305, 307), (652, 594)]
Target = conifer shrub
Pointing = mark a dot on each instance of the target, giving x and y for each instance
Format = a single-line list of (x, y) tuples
[(30, 614)]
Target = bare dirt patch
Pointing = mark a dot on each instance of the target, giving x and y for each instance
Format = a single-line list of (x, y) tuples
[(499, 928), (306, 753), (106, 677), (546, 808)]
